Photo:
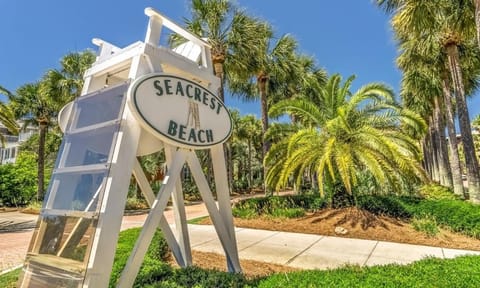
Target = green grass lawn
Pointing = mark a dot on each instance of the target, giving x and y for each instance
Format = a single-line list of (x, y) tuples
[(458, 272)]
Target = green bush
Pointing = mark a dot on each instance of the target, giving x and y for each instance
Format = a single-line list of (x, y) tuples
[(153, 268), (18, 181), (134, 203), (278, 206), (392, 206), (288, 213), (457, 215), (427, 225), (437, 192)]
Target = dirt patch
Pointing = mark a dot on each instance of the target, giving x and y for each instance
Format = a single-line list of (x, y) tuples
[(251, 269), (356, 223)]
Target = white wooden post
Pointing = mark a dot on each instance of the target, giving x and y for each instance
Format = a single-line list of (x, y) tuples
[(222, 226), (179, 213), (151, 223), (150, 197)]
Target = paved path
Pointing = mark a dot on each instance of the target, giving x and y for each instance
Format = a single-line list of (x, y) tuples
[(309, 251), (304, 251)]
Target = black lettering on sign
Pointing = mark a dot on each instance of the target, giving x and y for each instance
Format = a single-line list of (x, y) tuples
[(189, 88), (200, 136), (198, 94), (192, 137), (182, 132), (205, 98), (209, 135), (172, 128), (168, 86), (179, 89), (158, 86)]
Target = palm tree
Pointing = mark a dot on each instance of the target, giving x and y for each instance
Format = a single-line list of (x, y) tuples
[(39, 103), (423, 90), (274, 64), (449, 23), (232, 34), (249, 131), (348, 134), (66, 83), (7, 118), (35, 108)]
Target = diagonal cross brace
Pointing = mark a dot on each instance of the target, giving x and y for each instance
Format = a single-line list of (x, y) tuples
[(151, 223)]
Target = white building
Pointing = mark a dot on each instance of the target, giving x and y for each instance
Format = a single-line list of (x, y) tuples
[(9, 151)]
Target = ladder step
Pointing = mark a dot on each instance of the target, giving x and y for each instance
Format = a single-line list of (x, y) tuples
[(73, 131), (68, 213), (69, 265), (82, 169)]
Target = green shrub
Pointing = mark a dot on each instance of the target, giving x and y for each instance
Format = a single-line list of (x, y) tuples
[(437, 192), (134, 203), (288, 213), (153, 267), (246, 213), (289, 206), (18, 181), (458, 216), (427, 225), (392, 206)]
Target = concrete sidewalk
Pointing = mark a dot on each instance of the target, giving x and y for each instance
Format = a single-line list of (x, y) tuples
[(307, 251), (303, 251)]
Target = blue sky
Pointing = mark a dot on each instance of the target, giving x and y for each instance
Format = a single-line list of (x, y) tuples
[(345, 36)]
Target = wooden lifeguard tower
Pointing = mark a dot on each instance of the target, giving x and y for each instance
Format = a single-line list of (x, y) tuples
[(105, 130)]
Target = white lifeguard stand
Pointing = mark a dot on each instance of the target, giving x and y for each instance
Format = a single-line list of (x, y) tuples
[(75, 239)]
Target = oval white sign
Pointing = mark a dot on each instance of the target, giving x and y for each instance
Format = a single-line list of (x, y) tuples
[(179, 111)]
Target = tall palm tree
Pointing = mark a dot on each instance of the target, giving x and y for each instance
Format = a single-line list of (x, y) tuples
[(274, 64), (423, 90), (449, 23), (35, 108), (39, 103), (232, 34), (250, 131), (350, 133), (66, 83), (233, 37)]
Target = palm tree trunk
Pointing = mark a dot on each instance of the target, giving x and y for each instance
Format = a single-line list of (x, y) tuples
[(250, 175), (464, 121), (433, 151), (455, 165), (218, 60), (426, 161), (477, 19), (41, 160), (442, 154), (262, 81)]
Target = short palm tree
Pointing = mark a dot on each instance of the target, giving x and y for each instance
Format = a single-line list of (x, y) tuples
[(348, 134)]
